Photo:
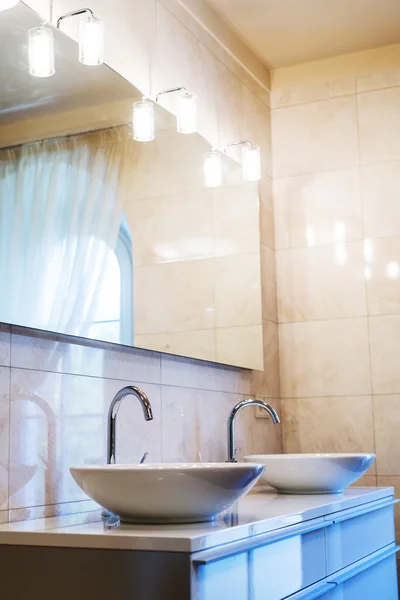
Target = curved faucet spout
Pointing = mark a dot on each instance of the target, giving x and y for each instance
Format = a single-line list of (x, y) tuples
[(129, 390), (231, 421)]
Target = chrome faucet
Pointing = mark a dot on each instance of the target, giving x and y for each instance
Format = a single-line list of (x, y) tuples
[(112, 417), (231, 421)]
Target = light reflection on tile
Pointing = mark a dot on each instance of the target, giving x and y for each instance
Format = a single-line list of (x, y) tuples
[(321, 358), (58, 421), (308, 208), (43, 351), (383, 284)]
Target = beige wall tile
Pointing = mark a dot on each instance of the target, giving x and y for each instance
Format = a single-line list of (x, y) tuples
[(322, 282), (174, 162), (366, 481), (312, 209), (332, 424), (130, 32), (40, 6), (378, 80), (174, 297), (5, 345), (256, 119), (172, 228), (236, 220), (44, 352), (58, 421), (383, 283), (4, 435), (229, 95), (267, 228), (241, 346), (182, 372), (322, 358), (386, 423), (182, 60), (384, 340), (303, 94), (321, 136), (199, 344), (266, 382), (268, 284), (189, 434), (267, 437), (379, 123), (238, 291), (380, 192)]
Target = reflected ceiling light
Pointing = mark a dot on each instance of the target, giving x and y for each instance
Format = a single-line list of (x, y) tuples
[(186, 115), (251, 160), (41, 51), (213, 169), (91, 37), (5, 4), (143, 121)]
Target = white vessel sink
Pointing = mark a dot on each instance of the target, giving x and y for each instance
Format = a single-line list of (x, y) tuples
[(312, 473), (167, 493)]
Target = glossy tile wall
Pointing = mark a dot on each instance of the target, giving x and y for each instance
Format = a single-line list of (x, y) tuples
[(54, 391), (336, 161)]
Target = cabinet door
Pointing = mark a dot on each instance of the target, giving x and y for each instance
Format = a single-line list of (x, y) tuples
[(357, 534), (379, 582), (282, 564)]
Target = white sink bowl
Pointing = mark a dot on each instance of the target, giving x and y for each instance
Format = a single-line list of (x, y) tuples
[(167, 493), (312, 473)]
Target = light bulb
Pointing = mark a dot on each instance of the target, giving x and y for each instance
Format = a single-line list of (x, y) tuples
[(143, 121), (41, 51), (91, 41), (5, 4), (251, 163), (213, 169), (186, 117)]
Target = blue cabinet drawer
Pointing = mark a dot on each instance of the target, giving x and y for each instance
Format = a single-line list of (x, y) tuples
[(378, 582), (357, 534)]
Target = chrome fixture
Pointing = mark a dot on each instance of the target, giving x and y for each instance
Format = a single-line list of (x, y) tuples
[(41, 51), (186, 115), (143, 120), (91, 36), (251, 159), (231, 421), (112, 417)]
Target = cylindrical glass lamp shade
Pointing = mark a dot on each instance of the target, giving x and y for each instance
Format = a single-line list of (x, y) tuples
[(5, 4), (213, 169), (41, 52), (251, 163), (91, 41), (143, 121), (186, 117)]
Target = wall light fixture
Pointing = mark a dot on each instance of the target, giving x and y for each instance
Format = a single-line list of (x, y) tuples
[(143, 121), (91, 36), (251, 160), (186, 116), (41, 51)]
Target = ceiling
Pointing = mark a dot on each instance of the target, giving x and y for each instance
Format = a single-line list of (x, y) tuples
[(287, 32), (72, 86)]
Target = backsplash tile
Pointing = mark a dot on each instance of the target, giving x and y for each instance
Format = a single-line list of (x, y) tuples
[(5, 345), (4, 436)]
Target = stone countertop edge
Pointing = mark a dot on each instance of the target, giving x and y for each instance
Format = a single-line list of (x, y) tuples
[(256, 514)]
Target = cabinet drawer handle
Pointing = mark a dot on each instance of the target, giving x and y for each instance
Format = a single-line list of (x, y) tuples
[(353, 512), (247, 545), (312, 593), (362, 565)]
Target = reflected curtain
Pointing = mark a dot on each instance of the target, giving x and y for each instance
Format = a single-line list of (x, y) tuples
[(61, 206)]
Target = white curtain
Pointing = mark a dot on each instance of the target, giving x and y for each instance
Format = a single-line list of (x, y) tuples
[(60, 210)]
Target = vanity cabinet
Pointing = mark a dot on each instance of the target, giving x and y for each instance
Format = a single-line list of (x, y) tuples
[(267, 548)]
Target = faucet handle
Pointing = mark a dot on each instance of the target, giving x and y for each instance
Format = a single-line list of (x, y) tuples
[(145, 455)]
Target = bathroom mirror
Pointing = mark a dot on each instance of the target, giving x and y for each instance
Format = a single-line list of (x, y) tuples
[(108, 238)]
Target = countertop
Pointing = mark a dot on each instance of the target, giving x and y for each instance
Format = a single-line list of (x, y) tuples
[(256, 514)]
